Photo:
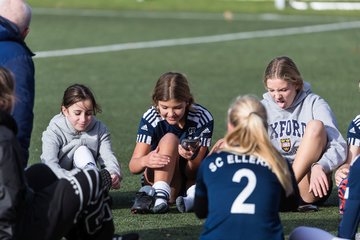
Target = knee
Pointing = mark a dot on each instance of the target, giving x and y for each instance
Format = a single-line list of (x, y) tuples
[(168, 145), (83, 158), (169, 140), (83, 152), (316, 129)]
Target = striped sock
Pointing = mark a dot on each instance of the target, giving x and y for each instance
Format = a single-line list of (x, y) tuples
[(162, 190)]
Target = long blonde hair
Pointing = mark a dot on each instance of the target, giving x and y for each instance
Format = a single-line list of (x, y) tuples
[(248, 117)]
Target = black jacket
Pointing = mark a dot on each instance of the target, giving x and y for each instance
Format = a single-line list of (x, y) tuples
[(12, 183)]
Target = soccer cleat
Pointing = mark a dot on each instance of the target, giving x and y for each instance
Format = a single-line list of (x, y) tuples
[(161, 208), (341, 195), (144, 200), (180, 204), (106, 179), (129, 236), (143, 203), (308, 208)]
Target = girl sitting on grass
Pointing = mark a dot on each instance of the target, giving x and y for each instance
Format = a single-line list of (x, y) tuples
[(241, 187), (76, 139), (173, 137)]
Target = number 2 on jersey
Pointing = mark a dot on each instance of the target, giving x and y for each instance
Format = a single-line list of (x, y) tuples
[(239, 206)]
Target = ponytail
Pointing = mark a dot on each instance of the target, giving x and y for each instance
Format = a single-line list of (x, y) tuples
[(248, 117)]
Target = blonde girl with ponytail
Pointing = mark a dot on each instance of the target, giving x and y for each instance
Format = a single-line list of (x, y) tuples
[(247, 120), (246, 182)]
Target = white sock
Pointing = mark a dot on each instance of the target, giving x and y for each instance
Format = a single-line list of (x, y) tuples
[(162, 190), (189, 199), (83, 158)]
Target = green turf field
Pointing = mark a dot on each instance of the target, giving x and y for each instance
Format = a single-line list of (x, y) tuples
[(222, 59)]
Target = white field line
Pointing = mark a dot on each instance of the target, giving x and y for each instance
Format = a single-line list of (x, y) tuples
[(201, 40), (175, 15)]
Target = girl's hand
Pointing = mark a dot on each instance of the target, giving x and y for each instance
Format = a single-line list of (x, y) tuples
[(115, 181), (319, 184), (187, 154), (156, 160), (217, 146), (340, 174)]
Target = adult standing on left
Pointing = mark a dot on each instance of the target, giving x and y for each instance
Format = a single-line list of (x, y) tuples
[(15, 16)]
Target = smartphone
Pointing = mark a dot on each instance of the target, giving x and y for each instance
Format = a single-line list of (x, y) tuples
[(190, 144)]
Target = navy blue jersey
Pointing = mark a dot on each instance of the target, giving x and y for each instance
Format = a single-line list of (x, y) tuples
[(243, 197), (199, 124), (353, 133), (351, 217)]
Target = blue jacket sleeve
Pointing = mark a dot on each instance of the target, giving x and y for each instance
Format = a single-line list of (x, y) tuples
[(350, 221), (23, 69)]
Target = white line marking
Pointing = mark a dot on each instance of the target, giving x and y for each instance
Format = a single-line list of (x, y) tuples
[(201, 40), (137, 14), (176, 15)]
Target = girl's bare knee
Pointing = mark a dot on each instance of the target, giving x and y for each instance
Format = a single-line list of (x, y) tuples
[(316, 128), (169, 140)]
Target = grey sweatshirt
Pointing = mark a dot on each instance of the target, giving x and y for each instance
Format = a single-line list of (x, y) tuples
[(60, 140), (286, 127)]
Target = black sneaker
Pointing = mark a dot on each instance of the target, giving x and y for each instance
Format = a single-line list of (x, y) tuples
[(308, 208), (180, 205), (144, 200), (129, 236), (161, 208)]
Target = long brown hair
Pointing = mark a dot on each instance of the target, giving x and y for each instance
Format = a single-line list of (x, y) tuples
[(172, 85), (78, 92), (7, 86)]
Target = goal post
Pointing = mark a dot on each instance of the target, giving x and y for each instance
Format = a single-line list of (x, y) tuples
[(317, 5)]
